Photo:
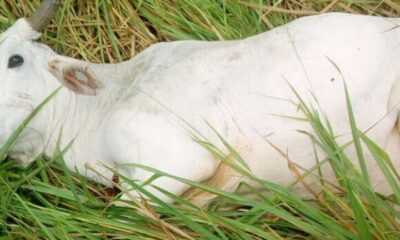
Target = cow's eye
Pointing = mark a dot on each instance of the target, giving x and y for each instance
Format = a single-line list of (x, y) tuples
[(15, 61)]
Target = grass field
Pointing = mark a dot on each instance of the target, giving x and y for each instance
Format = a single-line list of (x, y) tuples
[(46, 201)]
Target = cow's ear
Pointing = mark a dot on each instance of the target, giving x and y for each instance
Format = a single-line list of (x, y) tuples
[(75, 75)]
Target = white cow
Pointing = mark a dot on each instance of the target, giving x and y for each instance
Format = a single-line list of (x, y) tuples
[(142, 110)]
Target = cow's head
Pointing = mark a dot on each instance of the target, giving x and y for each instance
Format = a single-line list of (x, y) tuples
[(31, 71)]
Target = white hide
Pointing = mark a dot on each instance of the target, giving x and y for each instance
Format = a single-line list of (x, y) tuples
[(141, 109)]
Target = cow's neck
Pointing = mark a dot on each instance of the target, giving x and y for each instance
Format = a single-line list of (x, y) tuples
[(78, 119)]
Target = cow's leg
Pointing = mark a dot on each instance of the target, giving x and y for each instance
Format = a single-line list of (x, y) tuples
[(162, 147), (225, 178), (150, 189)]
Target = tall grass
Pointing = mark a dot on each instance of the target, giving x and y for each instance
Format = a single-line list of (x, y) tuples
[(47, 201)]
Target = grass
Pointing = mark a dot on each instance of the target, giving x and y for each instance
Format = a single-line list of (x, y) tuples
[(46, 201)]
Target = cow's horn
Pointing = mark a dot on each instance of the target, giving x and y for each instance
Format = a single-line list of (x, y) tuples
[(42, 17)]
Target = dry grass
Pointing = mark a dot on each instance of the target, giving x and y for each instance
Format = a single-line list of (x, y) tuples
[(111, 31)]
